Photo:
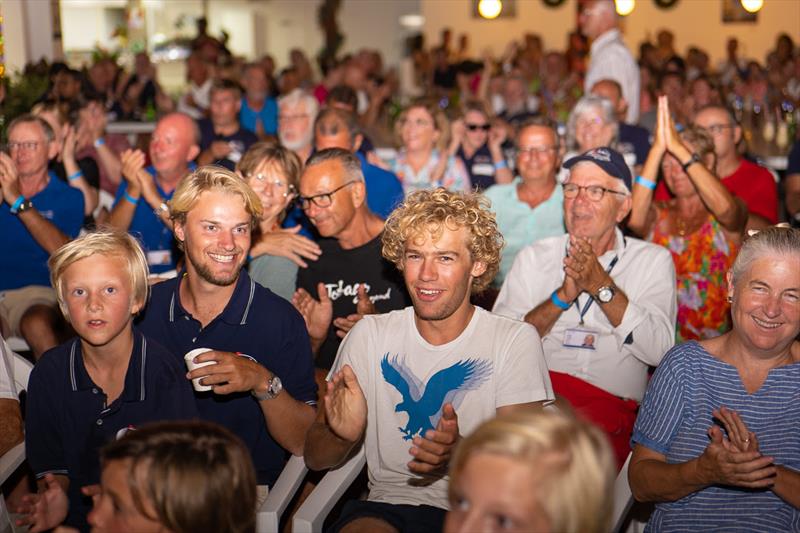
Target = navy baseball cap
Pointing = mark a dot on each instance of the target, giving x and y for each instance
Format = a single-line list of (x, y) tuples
[(609, 160)]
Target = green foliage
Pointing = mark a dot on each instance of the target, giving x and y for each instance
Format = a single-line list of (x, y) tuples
[(22, 90)]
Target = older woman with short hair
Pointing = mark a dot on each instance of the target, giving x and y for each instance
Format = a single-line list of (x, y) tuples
[(716, 443)]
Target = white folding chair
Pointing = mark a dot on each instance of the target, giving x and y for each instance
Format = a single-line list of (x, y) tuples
[(310, 517), (280, 494), (623, 498), (12, 459)]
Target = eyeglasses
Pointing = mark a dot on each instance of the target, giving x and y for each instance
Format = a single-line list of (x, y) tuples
[(716, 129), (260, 182), (476, 127), (25, 145), (531, 151), (420, 123), (595, 193), (321, 200)]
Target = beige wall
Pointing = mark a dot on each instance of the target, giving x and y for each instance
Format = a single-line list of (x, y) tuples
[(694, 22)]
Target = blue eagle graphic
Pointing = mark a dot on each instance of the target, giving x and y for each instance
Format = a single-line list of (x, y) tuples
[(423, 403)]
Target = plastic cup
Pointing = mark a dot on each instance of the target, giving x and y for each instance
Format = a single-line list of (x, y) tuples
[(191, 365)]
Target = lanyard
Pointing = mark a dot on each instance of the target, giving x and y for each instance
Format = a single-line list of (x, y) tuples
[(589, 303)]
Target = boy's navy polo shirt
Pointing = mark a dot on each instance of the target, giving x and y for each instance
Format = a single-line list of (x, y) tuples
[(67, 421), (155, 237), (24, 261), (242, 139), (255, 322)]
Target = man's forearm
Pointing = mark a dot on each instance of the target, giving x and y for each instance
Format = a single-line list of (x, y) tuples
[(543, 316), (44, 232), (615, 309), (10, 424), (122, 215), (787, 486), (288, 421), (323, 449)]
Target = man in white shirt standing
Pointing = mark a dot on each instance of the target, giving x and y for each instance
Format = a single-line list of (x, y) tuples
[(429, 373), (610, 58), (594, 283)]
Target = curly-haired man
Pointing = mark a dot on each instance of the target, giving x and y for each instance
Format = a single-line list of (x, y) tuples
[(401, 378)]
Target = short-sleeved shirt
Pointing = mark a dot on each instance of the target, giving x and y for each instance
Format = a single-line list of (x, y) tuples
[(493, 363), (342, 271), (384, 190), (239, 142), (455, 177), (67, 420), (155, 237), (268, 115), (23, 261), (674, 419), (255, 322), (522, 225)]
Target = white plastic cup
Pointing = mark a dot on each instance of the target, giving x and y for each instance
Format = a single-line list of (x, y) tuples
[(191, 365)]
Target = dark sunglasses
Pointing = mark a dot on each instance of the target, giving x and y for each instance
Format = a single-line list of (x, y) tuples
[(475, 127)]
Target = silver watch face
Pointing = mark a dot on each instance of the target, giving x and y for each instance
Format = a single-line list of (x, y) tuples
[(605, 294), (275, 386)]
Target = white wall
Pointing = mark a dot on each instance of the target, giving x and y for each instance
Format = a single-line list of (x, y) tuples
[(694, 22)]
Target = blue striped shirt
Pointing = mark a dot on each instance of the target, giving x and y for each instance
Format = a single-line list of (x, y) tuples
[(674, 419)]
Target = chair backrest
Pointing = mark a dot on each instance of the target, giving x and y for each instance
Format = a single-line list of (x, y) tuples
[(20, 367), (623, 498)]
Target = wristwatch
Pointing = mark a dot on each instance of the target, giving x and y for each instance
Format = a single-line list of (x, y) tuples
[(274, 387), (692, 160), (605, 294)]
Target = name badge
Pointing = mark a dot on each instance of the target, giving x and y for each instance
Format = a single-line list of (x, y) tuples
[(159, 257), (483, 169), (582, 338)]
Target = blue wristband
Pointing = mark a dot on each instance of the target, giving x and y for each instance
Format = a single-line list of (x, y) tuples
[(17, 203), (99, 142), (500, 164), (75, 175), (130, 198), (558, 302), (644, 182)]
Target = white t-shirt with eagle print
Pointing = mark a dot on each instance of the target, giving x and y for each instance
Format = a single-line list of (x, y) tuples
[(496, 361)]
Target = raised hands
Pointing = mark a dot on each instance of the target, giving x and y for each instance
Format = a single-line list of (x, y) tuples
[(8, 179), (432, 451), (133, 170), (363, 307), (666, 138), (45, 510), (583, 272), (317, 313), (735, 459), (346, 406)]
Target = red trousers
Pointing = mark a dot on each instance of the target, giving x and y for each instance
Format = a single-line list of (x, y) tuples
[(614, 415)]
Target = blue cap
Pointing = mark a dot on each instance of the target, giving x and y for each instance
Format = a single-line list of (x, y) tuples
[(609, 160)]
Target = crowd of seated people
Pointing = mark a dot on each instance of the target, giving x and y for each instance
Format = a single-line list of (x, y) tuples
[(390, 260)]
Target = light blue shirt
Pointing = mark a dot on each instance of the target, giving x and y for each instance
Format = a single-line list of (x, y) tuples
[(522, 225)]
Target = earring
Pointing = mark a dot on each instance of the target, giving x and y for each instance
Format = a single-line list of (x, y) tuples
[(730, 299)]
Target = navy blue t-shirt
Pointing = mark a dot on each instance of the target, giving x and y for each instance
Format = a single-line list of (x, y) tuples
[(480, 167), (255, 322), (239, 142), (67, 420), (634, 139)]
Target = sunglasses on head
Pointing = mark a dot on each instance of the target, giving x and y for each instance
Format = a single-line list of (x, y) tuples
[(475, 127)]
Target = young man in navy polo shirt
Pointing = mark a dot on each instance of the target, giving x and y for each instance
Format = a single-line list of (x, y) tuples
[(140, 205), (38, 213), (91, 390), (263, 381)]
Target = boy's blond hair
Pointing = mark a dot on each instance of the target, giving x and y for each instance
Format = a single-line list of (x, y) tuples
[(106, 242), (572, 460)]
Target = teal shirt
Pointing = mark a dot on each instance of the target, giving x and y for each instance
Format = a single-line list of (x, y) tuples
[(276, 273), (521, 225)]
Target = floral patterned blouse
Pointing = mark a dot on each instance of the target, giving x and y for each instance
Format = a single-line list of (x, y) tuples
[(455, 177), (702, 258)]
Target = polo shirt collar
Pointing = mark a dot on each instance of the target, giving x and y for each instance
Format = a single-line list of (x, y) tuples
[(235, 313), (134, 389)]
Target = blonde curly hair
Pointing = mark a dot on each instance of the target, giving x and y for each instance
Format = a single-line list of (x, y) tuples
[(433, 209)]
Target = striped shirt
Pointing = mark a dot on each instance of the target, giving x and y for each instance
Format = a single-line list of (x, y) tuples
[(674, 419)]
